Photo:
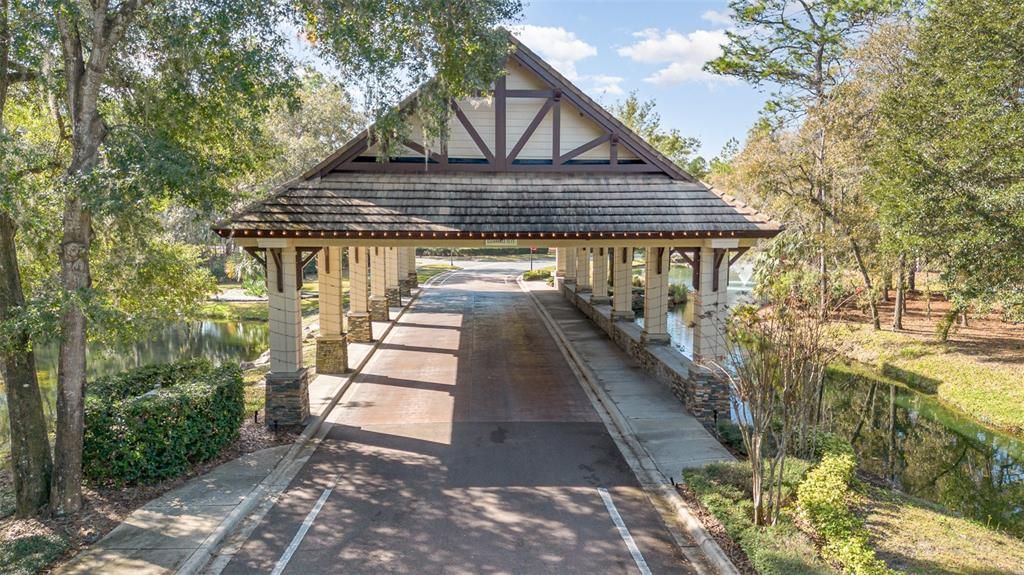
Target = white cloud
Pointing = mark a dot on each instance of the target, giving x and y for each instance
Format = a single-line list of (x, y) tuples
[(685, 54), (558, 46), (716, 17), (563, 49), (605, 84)]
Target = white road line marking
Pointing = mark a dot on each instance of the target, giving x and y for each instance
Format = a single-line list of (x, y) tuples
[(638, 557), (306, 524)]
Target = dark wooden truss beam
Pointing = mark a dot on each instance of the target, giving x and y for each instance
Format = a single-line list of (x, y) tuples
[(259, 255), (500, 128), (529, 93), (584, 148), (302, 258), (480, 143), (719, 255), (419, 148), (736, 255), (276, 254), (541, 114)]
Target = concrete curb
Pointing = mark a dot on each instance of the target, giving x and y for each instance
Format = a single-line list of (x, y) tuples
[(638, 458), (286, 468)]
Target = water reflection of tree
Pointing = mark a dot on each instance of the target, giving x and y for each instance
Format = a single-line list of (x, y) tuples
[(964, 467)]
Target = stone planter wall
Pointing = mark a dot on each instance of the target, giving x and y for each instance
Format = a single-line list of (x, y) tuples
[(703, 393)]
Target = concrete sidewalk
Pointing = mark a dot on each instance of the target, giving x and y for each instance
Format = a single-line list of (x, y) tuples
[(178, 532), (673, 438)]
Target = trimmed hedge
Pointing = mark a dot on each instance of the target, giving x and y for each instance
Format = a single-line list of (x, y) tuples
[(155, 422), (537, 275), (824, 498)]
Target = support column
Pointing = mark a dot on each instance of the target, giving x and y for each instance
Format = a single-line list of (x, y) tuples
[(331, 345), (710, 307), (656, 296), (378, 285), (414, 281), (559, 262), (360, 328), (404, 287), (583, 269), (391, 289), (570, 267), (622, 282), (287, 384), (600, 287)]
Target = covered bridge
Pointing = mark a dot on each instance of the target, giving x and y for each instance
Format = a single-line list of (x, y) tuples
[(532, 162)]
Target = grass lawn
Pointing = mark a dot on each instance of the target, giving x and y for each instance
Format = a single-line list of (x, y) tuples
[(914, 536), (425, 272), (246, 311), (962, 376), (723, 489)]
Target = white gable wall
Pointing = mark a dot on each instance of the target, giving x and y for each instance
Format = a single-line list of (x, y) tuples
[(576, 128)]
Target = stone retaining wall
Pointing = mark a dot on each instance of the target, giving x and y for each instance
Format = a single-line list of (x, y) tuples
[(703, 393)]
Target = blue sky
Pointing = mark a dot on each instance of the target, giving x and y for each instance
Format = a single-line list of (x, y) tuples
[(609, 48)]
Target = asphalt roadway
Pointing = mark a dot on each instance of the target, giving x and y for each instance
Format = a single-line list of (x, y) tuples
[(466, 445)]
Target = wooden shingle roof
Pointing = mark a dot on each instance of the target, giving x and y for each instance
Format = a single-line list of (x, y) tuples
[(498, 205)]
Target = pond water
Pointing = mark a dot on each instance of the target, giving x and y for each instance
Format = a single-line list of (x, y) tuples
[(218, 341), (927, 450), (906, 438)]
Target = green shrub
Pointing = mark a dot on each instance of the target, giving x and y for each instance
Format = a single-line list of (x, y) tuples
[(143, 379), (154, 423), (537, 275), (824, 499), (724, 490), (831, 444), (678, 293)]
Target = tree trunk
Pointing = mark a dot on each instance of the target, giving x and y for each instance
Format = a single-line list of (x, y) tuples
[(66, 496), (30, 444), (876, 320), (865, 413), (901, 295), (886, 286), (912, 276)]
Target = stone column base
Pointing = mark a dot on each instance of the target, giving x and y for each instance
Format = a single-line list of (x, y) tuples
[(405, 288), (600, 300), (583, 289), (654, 338), (618, 315), (287, 399), (360, 328), (332, 354), (414, 281), (394, 297), (379, 308)]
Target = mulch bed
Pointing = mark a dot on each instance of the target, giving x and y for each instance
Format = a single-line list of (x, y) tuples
[(717, 530), (103, 508)]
